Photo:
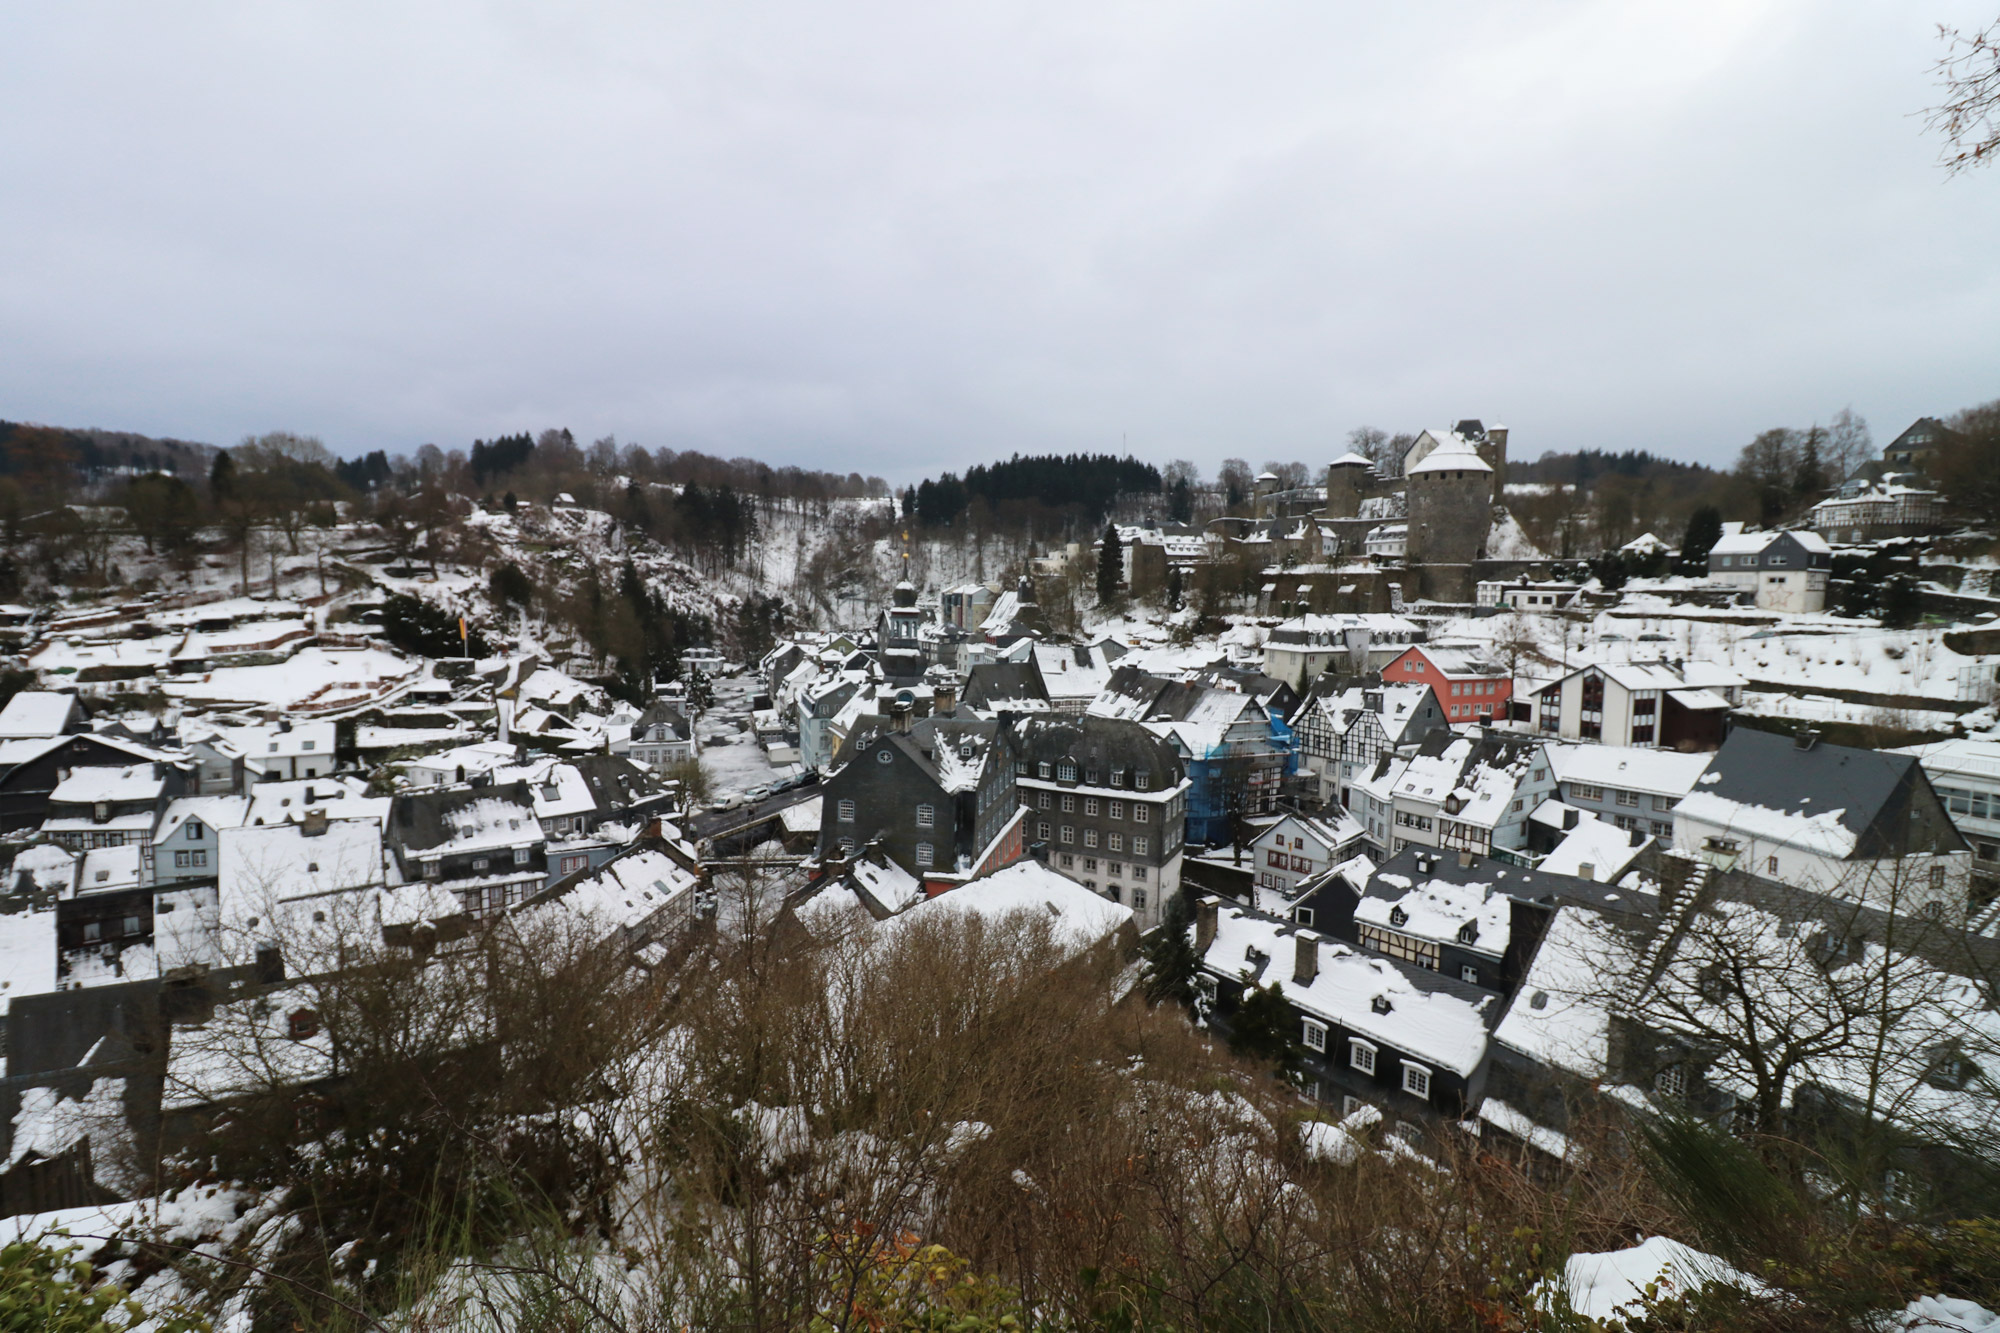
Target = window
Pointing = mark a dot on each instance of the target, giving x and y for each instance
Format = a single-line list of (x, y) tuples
[(1114, 868), (1416, 1080), (1139, 847), (479, 863), (198, 858), (307, 745), (1361, 1055), (846, 811), (133, 925), (1628, 798), (1042, 801), (1303, 915), (195, 831), (1042, 771), (1142, 780), (1770, 865), (1141, 814), (924, 854), (1067, 860), (1090, 805), (1068, 834), (1349, 1104), (1204, 990), (1138, 872), (926, 816), (1314, 1036), (1115, 841), (1583, 791), (1066, 772), (1042, 830), (1068, 804), (1138, 900), (1115, 809), (1671, 1082), (430, 870), (1662, 803), (520, 856), (1090, 837), (180, 860), (1275, 858), (1469, 974), (1398, 917), (92, 931)]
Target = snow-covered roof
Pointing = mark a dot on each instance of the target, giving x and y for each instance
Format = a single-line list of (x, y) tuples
[(339, 798), (1818, 831), (1629, 768), (34, 713), (1077, 917), (624, 894), (1352, 459), (1438, 909), (47, 867), (109, 869), (1455, 454), (281, 861), (87, 786), (217, 812), (27, 955), (1595, 849), (1753, 543), (1560, 1015), (1438, 1021)]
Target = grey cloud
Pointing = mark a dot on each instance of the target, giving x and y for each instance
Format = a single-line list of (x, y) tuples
[(896, 237)]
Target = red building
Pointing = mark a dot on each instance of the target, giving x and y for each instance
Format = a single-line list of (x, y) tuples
[(1468, 687)]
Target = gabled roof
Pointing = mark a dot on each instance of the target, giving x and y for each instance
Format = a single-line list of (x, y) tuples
[(991, 684), (460, 819), (1838, 800)]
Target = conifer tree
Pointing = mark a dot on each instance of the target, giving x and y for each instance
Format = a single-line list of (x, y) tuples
[(1110, 565), (1170, 958), (1263, 1028)]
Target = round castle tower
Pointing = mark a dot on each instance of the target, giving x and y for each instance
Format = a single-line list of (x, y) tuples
[(1450, 495)]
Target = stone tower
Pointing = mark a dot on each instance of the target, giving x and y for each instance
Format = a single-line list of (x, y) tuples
[(1450, 495), (1349, 480)]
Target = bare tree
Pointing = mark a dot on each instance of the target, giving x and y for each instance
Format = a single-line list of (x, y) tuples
[(1969, 115)]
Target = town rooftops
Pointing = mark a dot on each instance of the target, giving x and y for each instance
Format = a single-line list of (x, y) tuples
[(1414, 865)]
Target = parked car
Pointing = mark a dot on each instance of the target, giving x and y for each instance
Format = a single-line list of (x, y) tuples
[(756, 794)]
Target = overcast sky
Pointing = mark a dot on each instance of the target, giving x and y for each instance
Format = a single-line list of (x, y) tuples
[(896, 238)]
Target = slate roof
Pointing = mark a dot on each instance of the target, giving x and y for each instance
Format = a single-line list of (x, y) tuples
[(424, 818), (993, 683), (1102, 743), (1871, 790), (1393, 878)]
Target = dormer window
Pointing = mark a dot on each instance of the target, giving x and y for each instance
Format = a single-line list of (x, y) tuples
[(101, 812), (1398, 917), (1142, 780), (1468, 932), (1066, 772), (1380, 1004)]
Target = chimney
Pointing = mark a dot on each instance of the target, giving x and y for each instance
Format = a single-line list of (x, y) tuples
[(944, 695), (1465, 860), (1306, 967), (1205, 912), (312, 823), (1586, 871)]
